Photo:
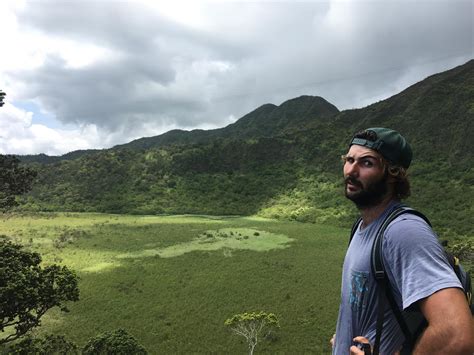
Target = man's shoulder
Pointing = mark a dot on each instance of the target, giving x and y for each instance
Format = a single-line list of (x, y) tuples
[(409, 219), (409, 228)]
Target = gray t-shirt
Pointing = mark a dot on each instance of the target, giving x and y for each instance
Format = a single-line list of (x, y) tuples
[(416, 266)]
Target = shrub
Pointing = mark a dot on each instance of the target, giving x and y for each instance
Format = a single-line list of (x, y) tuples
[(50, 344), (118, 342)]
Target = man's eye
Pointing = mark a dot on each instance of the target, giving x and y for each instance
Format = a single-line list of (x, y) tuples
[(367, 163), (349, 160)]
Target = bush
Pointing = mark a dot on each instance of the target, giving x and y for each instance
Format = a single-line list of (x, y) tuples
[(118, 342), (50, 344)]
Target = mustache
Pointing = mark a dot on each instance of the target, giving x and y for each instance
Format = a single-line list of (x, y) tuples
[(352, 180)]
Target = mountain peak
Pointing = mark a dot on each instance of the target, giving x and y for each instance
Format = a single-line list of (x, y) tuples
[(310, 105), (270, 119)]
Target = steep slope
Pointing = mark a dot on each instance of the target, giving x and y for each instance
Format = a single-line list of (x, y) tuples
[(436, 115), (47, 159), (176, 136)]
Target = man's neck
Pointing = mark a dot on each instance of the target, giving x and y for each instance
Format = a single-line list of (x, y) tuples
[(371, 213)]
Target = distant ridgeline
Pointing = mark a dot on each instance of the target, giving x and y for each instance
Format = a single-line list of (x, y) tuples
[(277, 161)]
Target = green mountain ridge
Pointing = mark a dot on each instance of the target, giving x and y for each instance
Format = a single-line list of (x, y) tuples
[(435, 114), (266, 120), (278, 161)]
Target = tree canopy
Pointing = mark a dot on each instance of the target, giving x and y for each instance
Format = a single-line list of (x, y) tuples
[(117, 342), (250, 325), (50, 344), (14, 180), (28, 291)]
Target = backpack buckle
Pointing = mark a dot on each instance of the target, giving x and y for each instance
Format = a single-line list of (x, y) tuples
[(380, 274)]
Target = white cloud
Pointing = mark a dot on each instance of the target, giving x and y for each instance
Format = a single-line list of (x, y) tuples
[(12, 116), (20, 136), (112, 71)]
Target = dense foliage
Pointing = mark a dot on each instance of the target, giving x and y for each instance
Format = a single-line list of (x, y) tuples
[(14, 180), (50, 344), (118, 342), (28, 291)]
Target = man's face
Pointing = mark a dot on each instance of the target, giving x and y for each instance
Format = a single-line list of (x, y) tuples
[(365, 176)]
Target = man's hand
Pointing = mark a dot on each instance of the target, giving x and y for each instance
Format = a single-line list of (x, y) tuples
[(354, 350), (333, 340)]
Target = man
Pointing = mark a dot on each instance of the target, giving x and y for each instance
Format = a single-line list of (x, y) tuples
[(375, 180)]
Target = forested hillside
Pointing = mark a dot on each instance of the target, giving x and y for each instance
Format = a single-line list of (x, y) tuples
[(277, 161)]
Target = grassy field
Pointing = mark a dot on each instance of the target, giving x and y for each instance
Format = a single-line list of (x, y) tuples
[(172, 281)]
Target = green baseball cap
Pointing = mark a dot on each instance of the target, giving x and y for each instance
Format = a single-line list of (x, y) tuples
[(391, 144)]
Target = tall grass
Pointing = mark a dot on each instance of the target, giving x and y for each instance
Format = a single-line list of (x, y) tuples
[(179, 304)]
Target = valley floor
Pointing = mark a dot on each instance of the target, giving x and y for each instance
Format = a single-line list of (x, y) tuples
[(172, 281)]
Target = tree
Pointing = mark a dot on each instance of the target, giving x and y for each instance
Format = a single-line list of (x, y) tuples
[(118, 342), (50, 344), (251, 325), (14, 180), (2, 96), (27, 290)]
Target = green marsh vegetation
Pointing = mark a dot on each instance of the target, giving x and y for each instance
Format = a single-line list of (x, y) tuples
[(172, 281)]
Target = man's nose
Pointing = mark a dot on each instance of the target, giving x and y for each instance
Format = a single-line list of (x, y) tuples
[(351, 170)]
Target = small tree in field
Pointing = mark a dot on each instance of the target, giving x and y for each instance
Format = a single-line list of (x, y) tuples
[(251, 326), (27, 290), (118, 342)]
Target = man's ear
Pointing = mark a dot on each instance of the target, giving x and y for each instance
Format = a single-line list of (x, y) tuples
[(392, 175), (393, 171)]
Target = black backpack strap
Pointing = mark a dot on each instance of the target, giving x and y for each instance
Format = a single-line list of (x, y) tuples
[(384, 289), (354, 228)]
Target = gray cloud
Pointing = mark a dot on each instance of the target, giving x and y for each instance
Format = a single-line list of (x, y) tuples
[(163, 73)]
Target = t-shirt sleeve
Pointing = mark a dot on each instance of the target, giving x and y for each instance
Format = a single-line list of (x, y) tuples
[(415, 261)]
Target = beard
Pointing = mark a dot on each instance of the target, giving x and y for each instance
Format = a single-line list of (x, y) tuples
[(368, 196)]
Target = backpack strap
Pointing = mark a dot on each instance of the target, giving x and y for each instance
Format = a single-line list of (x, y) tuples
[(354, 228), (384, 289)]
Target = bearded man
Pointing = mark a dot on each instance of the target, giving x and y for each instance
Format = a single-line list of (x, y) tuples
[(375, 175)]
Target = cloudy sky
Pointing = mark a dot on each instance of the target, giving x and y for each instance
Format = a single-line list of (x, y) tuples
[(92, 74)]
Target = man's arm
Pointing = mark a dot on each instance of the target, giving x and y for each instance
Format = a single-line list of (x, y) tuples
[(450, 324)]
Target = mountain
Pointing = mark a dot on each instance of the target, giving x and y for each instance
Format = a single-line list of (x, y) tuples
[(436, 115), (271, 120), (267, 120), (279, 161), (47, 159)]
